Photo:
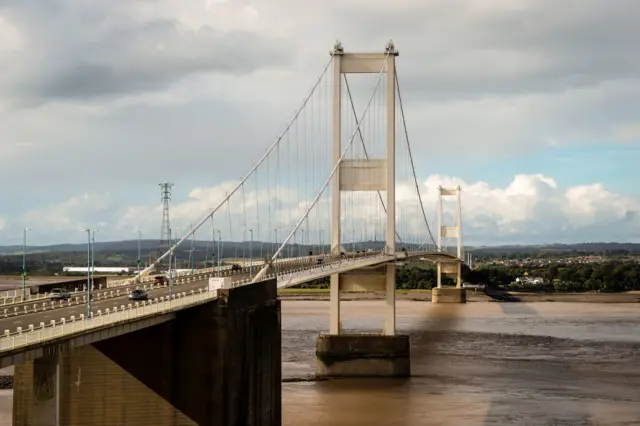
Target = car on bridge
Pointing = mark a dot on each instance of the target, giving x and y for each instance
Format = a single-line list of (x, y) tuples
[(160, 279), (138, 294), (60, 294)]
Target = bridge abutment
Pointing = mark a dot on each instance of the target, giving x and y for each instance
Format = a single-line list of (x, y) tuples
[(214, 364)]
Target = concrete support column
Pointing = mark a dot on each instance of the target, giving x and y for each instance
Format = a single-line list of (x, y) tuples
[(390, 301), (439, 275), (334, 308), (36, 395)]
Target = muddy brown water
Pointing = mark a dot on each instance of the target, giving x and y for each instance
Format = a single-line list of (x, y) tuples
[(476, 364), (546, 363)]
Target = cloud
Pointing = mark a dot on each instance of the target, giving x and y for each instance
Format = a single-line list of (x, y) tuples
[(119, 50), (112, 97), (63, 221), (536, 209), (530, 209)]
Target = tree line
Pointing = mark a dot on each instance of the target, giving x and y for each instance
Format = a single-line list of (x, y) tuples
[(613, 275), (610, 276)]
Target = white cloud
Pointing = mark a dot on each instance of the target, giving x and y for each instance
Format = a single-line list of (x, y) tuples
[(10, 39), (531, 209), (200, 87), (535, 208), (63, 221)]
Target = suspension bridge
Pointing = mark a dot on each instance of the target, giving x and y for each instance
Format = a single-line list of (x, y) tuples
[(335, 195)]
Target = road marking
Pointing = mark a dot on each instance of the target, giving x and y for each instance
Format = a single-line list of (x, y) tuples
[(18, 322)]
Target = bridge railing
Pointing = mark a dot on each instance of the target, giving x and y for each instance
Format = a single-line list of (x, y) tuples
[(56, 329)]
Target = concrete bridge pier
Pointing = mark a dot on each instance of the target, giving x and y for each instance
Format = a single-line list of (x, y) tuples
[(217, 363), (363, 355), (455, 294)]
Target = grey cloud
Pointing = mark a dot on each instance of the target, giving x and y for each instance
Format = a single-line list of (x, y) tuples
[(547, 46), (485, 85), (85, 50)]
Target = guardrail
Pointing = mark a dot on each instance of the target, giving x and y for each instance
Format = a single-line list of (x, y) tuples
[(203, 274), (28, 308), (55, 329)]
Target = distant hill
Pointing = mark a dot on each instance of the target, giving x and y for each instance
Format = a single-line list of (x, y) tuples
[(560, 248), (147, 246), (131, 246)]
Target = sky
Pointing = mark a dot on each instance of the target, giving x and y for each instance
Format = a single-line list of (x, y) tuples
[(532, 106)]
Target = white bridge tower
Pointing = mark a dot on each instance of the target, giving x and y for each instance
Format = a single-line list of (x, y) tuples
[(364, 175)]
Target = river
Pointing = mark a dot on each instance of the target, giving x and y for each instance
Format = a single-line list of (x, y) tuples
[(546, 363), (476, 364)]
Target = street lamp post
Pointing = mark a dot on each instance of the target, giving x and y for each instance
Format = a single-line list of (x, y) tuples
[(93, 271), (93, 255), (88, 231), (354, 244), (175, 255), (170, 280), (275, 232), (219, 254), (24, 262), (139, 259), (251, 253), (364, 247), (193, 248)]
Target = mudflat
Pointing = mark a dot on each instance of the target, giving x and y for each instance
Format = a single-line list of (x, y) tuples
[(472, 296)]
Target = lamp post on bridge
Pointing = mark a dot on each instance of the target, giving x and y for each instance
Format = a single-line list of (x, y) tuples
[(24, 262), (88, 231), (364, 247), (275, 231), (93, 255), (219, 241), (170, 280), (93, 270), (251, 254), (354, 244), (139, 259)]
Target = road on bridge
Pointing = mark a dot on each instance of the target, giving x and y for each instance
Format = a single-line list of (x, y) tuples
[(13, 322)]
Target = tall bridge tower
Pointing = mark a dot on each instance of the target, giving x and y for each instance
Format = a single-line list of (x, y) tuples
[(450, 231), (364, 175), (385, 354)]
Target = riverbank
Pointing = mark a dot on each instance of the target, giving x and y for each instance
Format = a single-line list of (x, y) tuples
[(472, 296)]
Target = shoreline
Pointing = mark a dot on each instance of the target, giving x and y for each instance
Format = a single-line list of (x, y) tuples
[(472, 296)]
